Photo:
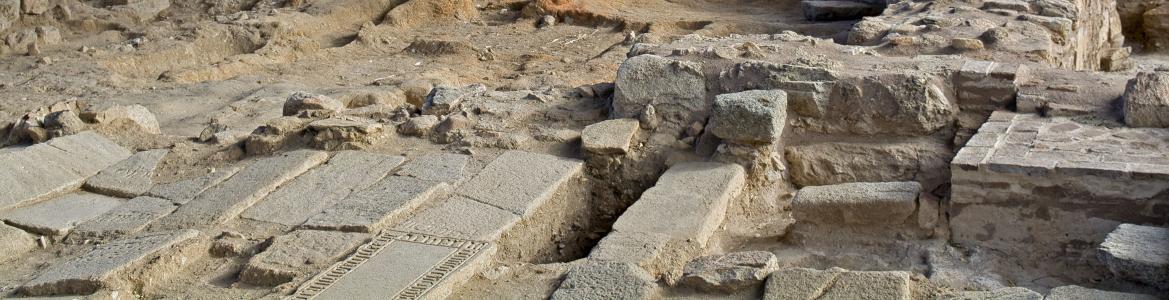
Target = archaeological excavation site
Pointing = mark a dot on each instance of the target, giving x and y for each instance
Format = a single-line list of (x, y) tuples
[(584, 149)]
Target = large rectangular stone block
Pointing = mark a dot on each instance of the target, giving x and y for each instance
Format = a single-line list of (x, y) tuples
[(380, 205), (857, 203), (301, 252), (56, 217), (128, 218), (519, 181), (100, 267), (687, 203), (309, 194)]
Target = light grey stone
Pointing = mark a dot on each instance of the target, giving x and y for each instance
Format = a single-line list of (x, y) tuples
[(57, 166), (311, 105), (383, 204), (731, 272), (609, 137), (520, 182), (132, 114), (751, 116), (893, 285), (56, 217), (1011, 293), (443, 167), (181, 192), (1146, 100), (129, 178), (462, 218), (674, 88), (641, 248), (310, 193), (1074, 292), (89, 152), (348, 133), (100, 268), (1139, 253), (298, 253), (687, 203), (857, 203), (398, 265), (798, 283), (125, 219), (605, 280), (16, 242), (231, 197), (444, 99)]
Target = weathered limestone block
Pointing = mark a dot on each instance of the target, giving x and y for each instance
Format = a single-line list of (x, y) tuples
[(16, 242), (274, 134), (1156, 24), (55, 167), (606, 280), (308, 105), (857, 203), (609, 137), (9, 13), (731, 272), (836, 10), (35, 7), (1146, 100), (58, 216), (445, 99), (644, 249), (988, 85), (904, 104), (835, 163), (310, 193), (677, 89), (344, 133), (750, 117), (800, 283), (1011, 293), (105, 266), (462, 218), (298, 253), (1074, 292), (181, 192), (424, 12), (231, 197), (125, 219), (136, 115), (519, 181), (129, 178), (380, 205), (401, 265), (1139, 253), (419, 126), (444, 167)]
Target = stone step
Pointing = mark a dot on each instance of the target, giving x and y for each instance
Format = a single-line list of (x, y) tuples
[(1138, 253), (298, 253), (57, 166), (57, 216), (320, 188), (399, 265), (800, 283), (383, 204), (227, 200), (861, 203), (183, 191), (102, 267), (129, 178), (125, 219)]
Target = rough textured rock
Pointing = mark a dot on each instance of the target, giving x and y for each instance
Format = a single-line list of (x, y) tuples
[(132, 114), (422, 12), (310, 193), (445, 99), (1139, 253), (1011, 293), (344, 133), (16, 242), (730, 272), (677, 89), (594, 280), (903, 104), (103, 267), (1156, 24), (443, 167), (750, 117), (834, 163), (129, 178), (609, 137), (857, 203), (125, 219), (1074, 292), (1146, 100), (419, 126), (799, 283), (311, 105), (298, 253), (183, 191), (836, 10), (47, 169)]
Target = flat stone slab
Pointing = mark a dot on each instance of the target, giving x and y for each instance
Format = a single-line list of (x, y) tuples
[(836, 283), (596, 280), (730, 272), (57, 166), (445, 167), (519, 181), (610, 136), (640, 248), (398, 265), (309, 194), (1011, 293), (99, 268), (129, 178), (16, 242), (383, 204), (857, 203), (125, 219), (227, 200), (687, 203), (1075, 292), (183, 191), (1139, 253), (298, 253), (461, 218), (56, 217)]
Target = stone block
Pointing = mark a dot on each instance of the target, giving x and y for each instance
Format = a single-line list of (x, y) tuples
[(799, 283), (444, 99), (866, 203), (806, 98), (815, 10), (136, 115), (310, 193), (443, 167), (870, 285), (674, 88), (729, 273), (227, 200), (1074, 292), (348, 133), (182, 191), (56, 217), (609, 137), (1146, 100), (687, 203), (520, 182), (100, 268), (125, 219), (1011, 293), (129, 178), (311, 105), (1138, 253), (643, 249), (57, 166), (16, 242), (298, 253), (462, 218), (595, 280), (750, 117), (385, 203)]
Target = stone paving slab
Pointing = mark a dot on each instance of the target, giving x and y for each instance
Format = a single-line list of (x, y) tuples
[(445, 167), (15, 242), (129, 178), (89, 152), (687, 203), (57, 216), (1139, 253), (125, 219), (95, 270), (461, 218), (382, 204), (609, 137), (309, 194), (227, 200), (57, 166), (298, 253), (399, 265), (836, 283), (596, 280), (1075, 292), (183, 191), (857, 203), (519, 181)]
